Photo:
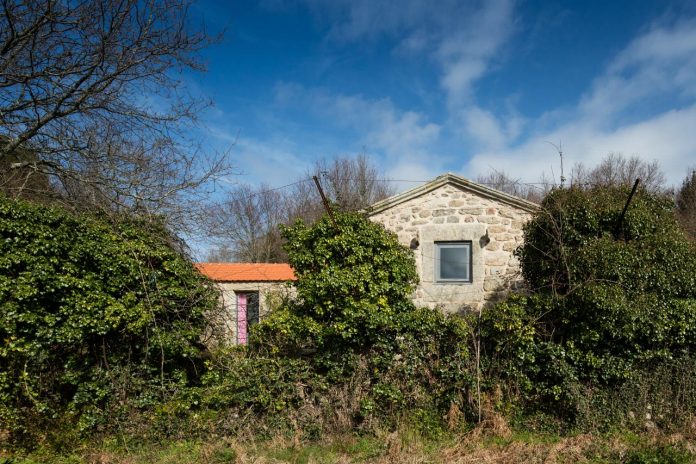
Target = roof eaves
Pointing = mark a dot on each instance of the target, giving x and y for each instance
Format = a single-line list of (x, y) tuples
[(457, 181)]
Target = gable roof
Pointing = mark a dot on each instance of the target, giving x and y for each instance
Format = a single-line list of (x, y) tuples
[(459, 182), (247, 272)]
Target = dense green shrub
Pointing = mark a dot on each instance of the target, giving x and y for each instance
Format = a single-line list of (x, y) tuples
[(353, 283), (354, 314), (574, 243), (607, 300), (353, 280), (92, 314)]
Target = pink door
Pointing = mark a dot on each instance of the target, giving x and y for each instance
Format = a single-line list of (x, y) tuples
[(242, 336)]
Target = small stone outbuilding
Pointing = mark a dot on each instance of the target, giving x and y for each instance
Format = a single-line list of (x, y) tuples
[(463, 235), (248, 292)]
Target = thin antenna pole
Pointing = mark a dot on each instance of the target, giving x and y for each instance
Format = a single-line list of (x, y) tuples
[(325, 201), (559, 149)]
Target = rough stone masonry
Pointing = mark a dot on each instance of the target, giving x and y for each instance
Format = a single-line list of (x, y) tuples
[(449, 211)]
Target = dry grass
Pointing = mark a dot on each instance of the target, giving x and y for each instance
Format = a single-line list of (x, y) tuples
[(493, 441)]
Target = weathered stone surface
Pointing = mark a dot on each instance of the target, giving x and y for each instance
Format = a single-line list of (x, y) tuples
[(493, 246), (489, 219), (447, 214), (443, 212), (492, 283), (510, 246), (497, 229), (497, 259)]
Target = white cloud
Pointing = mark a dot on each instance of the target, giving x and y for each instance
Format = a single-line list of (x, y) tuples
[(401, 136), (460, 37), (615, 115), (273, 162), (468, 44), (660, 63), (487, 131), (665, 138)]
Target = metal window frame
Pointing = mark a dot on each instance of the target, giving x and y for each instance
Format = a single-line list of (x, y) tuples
[(467, 244)]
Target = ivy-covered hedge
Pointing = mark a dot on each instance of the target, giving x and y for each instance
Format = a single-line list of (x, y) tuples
[(93, 313), (607, 300), (353, 314)]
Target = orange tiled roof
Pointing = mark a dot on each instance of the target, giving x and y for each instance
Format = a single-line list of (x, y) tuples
[(246, 272)]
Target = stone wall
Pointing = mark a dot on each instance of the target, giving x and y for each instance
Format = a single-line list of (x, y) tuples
[(448, 213)]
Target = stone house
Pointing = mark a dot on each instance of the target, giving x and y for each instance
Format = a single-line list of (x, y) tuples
[(463, 235), (248, 291)]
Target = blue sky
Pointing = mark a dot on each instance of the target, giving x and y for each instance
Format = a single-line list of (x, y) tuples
[(429, 87)]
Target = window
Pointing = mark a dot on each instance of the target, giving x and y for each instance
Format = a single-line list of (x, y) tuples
[(453, 261)]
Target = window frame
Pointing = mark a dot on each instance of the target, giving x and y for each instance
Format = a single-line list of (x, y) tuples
[(466, 244)]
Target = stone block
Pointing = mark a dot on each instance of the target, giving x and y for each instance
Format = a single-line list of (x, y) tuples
[(492, 283), (497, 229), (497, 259), (510, 246), (442, 212)]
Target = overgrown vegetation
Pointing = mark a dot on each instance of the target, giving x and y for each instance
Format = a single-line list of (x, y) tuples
[(95, 317), (102, 324), (351, 351), (612, 303)]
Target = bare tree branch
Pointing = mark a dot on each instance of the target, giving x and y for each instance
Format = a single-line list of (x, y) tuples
[(89, 88), (245, 225), (616, 169)]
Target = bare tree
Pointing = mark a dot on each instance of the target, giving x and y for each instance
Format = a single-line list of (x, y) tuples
[(350, 183), (500, 180), (616, 169), (247, 221), (353, 183), (245, 225), (89, 88), (23, 182), (686, 204)]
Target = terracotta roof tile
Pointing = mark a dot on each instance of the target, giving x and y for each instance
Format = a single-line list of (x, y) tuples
[(246, 272)]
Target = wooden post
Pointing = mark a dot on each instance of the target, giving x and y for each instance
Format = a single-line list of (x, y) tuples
[(617, 230), (325, 201)]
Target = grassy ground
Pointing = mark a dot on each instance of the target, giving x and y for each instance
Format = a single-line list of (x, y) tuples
[(403, 447)]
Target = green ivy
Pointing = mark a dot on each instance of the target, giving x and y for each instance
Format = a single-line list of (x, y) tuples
[(92, 312), (607, 299), (354, 313), (353, 279)]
